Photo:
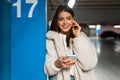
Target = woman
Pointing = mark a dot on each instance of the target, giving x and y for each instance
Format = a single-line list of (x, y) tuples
[(66, 38)]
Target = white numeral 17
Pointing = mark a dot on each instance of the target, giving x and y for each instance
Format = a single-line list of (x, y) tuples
[(18, 5)]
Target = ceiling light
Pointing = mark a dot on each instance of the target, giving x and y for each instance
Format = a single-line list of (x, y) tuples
[(116, 26), (92, 26), (71, 3)]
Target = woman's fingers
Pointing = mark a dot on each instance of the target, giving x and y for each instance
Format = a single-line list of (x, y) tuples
[(76, 29), (66, 63)]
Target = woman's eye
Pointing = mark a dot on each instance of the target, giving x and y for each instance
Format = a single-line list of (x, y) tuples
[(69, 18), (60, 19)]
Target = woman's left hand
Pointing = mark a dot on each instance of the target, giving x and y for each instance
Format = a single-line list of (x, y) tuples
[(76, 29)]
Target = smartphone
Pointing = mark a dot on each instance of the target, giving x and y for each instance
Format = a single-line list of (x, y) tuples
[(72, 56)]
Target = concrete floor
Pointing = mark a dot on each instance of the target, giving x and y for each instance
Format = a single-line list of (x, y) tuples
[(108, 67)]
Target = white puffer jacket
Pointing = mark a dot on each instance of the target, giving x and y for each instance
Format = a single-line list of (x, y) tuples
[(81, 46)]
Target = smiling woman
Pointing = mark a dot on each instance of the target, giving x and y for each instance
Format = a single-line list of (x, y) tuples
[(65, 21), (66, 38)]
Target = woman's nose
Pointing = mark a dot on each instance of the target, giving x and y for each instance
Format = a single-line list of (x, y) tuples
[(65, 21)]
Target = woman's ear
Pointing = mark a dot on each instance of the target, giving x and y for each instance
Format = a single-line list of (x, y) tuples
[(73, 20)]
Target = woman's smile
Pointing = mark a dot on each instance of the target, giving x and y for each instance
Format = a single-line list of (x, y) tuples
[(65, 26)]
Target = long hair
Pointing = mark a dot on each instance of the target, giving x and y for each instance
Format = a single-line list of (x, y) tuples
[(54, 24)]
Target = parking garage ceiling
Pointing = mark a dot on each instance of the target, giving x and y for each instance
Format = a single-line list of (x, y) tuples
[(90, 11), (52, 4)]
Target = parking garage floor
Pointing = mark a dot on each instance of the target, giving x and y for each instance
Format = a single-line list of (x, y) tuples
[(108, 67)]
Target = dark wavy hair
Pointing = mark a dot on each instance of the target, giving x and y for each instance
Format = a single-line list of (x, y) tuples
[(54, 24)]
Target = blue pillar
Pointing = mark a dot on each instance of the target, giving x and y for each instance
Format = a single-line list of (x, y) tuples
[(5, 40), (28, 30)]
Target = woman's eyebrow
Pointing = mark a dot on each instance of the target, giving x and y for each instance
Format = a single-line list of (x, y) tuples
[(63, 17)]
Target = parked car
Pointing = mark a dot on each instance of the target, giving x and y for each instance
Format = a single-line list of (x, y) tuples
[(109, 34)]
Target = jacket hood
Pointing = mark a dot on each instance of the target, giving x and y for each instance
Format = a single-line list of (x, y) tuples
[(52, 34)]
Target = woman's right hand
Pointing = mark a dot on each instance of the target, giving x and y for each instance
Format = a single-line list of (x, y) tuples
[(63, 62), (76, 29)]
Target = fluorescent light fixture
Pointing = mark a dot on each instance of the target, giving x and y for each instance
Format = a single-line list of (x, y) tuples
[(71, 3), (116, 26), (98, 26), (92, 26)]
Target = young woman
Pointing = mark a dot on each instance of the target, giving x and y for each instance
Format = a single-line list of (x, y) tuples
[(70, 54)]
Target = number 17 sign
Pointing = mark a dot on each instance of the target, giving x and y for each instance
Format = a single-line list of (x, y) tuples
[(20, 5)]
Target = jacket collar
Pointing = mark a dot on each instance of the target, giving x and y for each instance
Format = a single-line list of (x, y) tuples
[(52, 34)]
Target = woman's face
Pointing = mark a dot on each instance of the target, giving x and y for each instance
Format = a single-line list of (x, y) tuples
[(65, 21)]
